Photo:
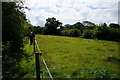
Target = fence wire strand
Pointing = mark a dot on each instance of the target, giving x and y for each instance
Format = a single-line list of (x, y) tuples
[(43, 60)]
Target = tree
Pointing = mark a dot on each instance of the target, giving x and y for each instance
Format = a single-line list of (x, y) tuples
[(71, 32), (68, 26), (114, 34), (38, 29), (88, 33), (113, 25), (78, 25), (89, 24), (14, 26), (51, 26), (102, 31)]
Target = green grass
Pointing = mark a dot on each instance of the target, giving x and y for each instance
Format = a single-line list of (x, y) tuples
[(27, 63), (69, 57)]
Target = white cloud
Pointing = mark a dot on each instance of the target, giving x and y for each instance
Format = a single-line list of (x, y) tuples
[(71, 11), (40, 20)]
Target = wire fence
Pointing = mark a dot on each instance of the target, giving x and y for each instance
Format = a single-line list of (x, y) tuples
[(38, 64)]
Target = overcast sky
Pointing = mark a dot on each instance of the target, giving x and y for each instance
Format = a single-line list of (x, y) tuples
[(72, 11)]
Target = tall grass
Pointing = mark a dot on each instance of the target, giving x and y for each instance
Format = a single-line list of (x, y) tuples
[(69, 57)]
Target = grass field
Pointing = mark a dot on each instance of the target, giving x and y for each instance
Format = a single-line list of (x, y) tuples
[(69, 57)]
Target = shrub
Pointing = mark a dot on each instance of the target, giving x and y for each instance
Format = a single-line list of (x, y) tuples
[(88, 34), (71, 32)]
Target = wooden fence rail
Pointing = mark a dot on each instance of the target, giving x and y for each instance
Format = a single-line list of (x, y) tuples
[(37, 64)]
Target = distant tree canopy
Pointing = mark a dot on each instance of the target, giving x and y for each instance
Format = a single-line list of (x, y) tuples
[(70, 32), (78, 25), (38, 29), (51, 26), (14, 29), (102, 31), (86, 29), (113, 25), (67, 26), (88, 23)]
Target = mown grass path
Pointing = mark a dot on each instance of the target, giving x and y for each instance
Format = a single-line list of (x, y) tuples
[(69, 57)]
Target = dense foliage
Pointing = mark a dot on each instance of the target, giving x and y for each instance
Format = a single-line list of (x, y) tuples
[(14, 29), (86, 29), (70, 32), (51, 26)]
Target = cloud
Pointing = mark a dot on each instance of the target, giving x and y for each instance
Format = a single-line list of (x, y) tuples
[(71, 11), (40, 20)]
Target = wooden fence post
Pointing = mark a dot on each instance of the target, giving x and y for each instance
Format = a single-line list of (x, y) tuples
[(37, 63), (37, 66)]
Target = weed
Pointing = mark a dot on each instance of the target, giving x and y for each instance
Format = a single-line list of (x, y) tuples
[(103, 73), (113, 60)]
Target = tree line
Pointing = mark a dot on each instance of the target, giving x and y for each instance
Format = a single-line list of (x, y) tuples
[(85, 29)]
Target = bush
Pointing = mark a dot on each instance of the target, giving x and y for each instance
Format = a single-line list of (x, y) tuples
[(14, 28), (88, 34), (71, 32), (114, 34), (106, 33), (101, 32)]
